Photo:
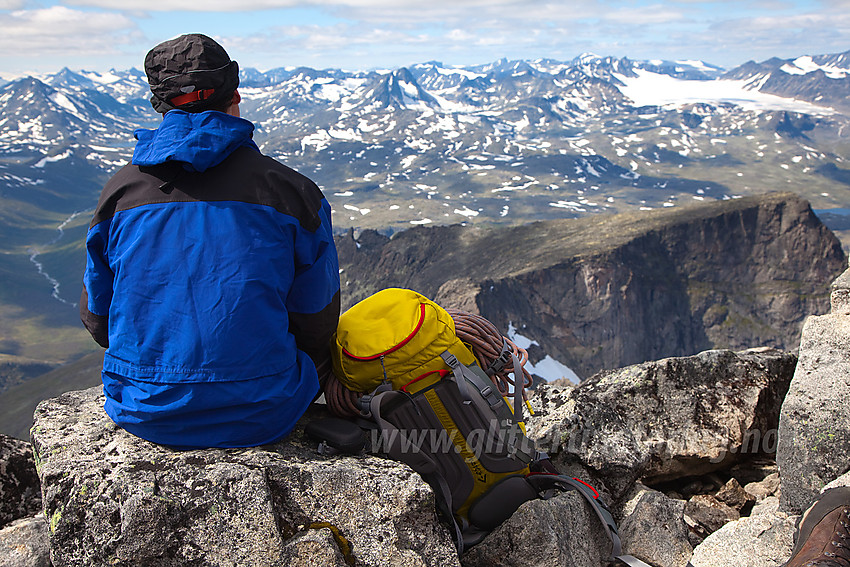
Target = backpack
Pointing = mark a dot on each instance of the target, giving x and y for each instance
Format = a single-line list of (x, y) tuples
[(431, 405)]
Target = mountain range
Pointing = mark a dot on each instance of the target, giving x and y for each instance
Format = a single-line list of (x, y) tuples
[(503, 143)]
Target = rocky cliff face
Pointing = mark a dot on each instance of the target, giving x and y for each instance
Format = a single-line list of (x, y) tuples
[(814, 433), (607, 291), (813, 451), (682, 448), (20, 493), (110, 498)]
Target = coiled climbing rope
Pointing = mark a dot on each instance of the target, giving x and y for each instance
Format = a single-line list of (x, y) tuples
[(341, 401), (490, 348), (496, 354)]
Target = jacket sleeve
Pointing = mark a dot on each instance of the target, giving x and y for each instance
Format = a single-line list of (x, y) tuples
[(314, 301), (97, 286)]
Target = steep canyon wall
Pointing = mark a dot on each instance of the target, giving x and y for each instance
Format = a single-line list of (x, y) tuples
[(607, 291)]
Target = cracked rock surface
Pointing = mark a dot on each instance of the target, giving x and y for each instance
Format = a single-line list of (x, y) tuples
[(20, 494), (113, 499)]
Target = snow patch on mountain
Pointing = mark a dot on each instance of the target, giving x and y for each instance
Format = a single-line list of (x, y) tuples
[(103, 79), (652, 89), (65, 103), (548, 368), (49, 159), (696, 64), (806, 64), (459, 71)]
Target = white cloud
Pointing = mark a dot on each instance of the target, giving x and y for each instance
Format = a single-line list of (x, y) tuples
[(363, 34), (371, 45), (251, 5), (644, 15), (187, 5), (436, 12), (304, 39), (785, 36), (31, 33)]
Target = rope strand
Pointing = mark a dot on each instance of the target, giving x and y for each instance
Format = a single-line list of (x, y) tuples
[(487, 343)]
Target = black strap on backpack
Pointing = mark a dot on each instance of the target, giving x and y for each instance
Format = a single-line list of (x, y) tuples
[(548, 484)]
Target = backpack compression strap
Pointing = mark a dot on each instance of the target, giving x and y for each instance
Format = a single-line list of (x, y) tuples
[(543, 483), (460, 370), (464, 376)]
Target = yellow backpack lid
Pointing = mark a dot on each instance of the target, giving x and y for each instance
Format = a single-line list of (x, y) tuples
[(396, 335)]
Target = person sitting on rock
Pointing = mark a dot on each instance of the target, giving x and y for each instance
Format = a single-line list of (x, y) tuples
[(212, 277), (823, 532)]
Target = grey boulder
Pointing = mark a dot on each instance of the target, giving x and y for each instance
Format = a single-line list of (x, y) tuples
[(114, 499), (763, 539), (23, 543), (814, 429), (668, 419)]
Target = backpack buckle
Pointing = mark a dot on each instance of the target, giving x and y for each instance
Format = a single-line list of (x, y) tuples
[(450, 359), (365, 403), (500, 361)]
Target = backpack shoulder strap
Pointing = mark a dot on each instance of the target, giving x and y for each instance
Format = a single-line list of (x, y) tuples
[(394, 443)]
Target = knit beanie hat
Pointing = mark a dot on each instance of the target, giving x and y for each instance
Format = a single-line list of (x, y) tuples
[(191, 72)]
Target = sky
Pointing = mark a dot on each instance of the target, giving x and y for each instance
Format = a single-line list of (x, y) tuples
[(98, 35)]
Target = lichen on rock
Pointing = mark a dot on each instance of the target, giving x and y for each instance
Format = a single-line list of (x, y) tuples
[(115, 499)]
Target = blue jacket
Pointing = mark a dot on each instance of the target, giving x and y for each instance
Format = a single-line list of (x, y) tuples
[(213, 281)]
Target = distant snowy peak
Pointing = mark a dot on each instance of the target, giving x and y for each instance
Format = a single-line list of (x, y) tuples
[(692, 70), (835, 66), (129, 86), (36, 113), (549, 66), (586, 58), (74, 108), (508, 94), (400, 89), (600, 67), (823, 80), (840, 60), (609, 67), (69, 79)]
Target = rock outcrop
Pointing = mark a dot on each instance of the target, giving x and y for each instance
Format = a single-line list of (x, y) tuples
[(23, 536), (814, 432), (543, 533), (681, 449), (113, 499), (654, 528), (731, 274), (812, 451), (665, 420), (24, 543), (763, 539)]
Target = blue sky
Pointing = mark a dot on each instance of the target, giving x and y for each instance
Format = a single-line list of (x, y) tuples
[(44, 36)]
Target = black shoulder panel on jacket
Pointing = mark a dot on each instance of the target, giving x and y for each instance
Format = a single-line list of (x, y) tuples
[(246, 176)]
